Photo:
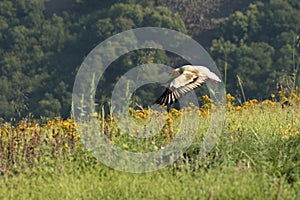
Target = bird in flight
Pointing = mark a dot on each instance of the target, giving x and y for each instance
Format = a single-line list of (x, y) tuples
[(187, 78)]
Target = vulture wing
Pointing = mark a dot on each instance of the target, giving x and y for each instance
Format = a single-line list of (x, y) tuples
[(180, 86), (191, 78)]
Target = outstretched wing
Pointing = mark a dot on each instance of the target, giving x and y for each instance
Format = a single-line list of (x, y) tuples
[(180, 86), (205, 72)]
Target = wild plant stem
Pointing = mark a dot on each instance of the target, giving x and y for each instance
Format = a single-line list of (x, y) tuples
[(241, 86)]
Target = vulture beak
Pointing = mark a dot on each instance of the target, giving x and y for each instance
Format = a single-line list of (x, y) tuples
[(174, 72)]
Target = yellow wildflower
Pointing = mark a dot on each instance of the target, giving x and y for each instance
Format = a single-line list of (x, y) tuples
[(229, 97), (206, 99), (273, 96), (238, 108)]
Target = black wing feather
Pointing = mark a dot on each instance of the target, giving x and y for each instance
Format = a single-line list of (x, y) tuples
[(171, 95)]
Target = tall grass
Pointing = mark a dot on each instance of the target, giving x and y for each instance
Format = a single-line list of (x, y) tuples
[(256, 157)]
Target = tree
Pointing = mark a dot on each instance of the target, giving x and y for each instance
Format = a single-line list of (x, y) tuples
[(121, 17), (28, 45), (41, 51), (261, 46)]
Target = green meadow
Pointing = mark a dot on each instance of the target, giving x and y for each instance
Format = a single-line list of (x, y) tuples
[(256, 157)]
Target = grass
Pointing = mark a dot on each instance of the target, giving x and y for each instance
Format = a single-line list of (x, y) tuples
[(99, 182), (256, 157)]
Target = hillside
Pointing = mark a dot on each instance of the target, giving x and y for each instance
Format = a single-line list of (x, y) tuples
[(239, 143), (201, 17), (204, 15), (43, 45)]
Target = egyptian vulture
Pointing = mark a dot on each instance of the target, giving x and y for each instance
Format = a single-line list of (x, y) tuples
[(187, 78)]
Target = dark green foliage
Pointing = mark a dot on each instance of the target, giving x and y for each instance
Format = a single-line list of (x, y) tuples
[(259, 46), (41, 49)]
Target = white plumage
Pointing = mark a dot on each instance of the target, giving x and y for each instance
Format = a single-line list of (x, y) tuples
[(188, 78)]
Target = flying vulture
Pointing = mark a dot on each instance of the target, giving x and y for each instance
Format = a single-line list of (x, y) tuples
[(187, 78)]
